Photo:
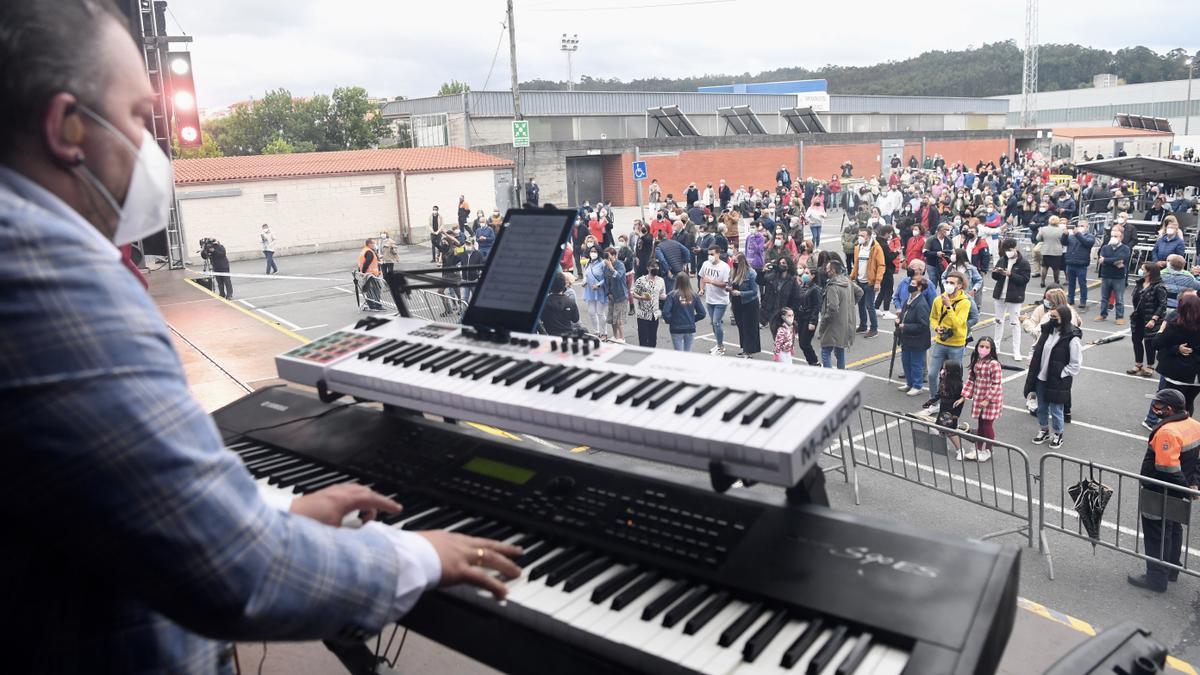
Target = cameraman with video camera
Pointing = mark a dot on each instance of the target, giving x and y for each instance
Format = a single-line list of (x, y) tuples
[(214, 252)]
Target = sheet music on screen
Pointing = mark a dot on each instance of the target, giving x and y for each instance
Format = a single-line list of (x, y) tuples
[(517, 264)]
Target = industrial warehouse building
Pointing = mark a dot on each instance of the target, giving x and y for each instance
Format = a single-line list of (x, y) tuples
[(582, 143), (1099, 105), (332, 200)]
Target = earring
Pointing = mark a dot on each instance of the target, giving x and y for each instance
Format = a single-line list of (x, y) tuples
[(78, 158)]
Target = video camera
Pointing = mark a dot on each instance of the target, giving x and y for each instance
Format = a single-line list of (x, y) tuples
[(206, 246)]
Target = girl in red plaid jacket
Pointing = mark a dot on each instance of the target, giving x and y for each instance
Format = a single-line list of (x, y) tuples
[(985, 387)]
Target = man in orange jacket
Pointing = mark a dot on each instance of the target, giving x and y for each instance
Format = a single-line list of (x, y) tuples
[(868, 274)]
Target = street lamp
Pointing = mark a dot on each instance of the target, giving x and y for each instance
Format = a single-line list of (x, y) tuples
[(569, 46), (1187, 112)]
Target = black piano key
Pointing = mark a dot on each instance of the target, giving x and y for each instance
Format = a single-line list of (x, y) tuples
[(405, 351), (287, 478), (499, 532), (565, 372), (855, 658), (528, 541), (685, 606), (535, 553), (827, 651), (486, 369), (266, 459), (440, 364), (703, 408), (424, 522), (605, 590), (635, 590), (770, 420), (379, 350), (301, 477), (695, 398), (549, 373), (583, 391), (445, 519), (396, 346), (509, 370), (266, 467), (739, 406), (648, 393), (523, 373), (759, 409), (667, 395), (473, 529), (740, 624), (759, 641), (251, 451), (603, 391), (302, 467), (472, 522), (661, 603), (551, 564), (569, 382), (636, 389), (570, 567), (802, 643), (707, 612), (420, 356), (587, 573), (314, 484), (468, 364)]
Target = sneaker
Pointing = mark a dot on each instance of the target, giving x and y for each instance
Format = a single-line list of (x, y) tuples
[(716, 351), (860, 330), (1041, 437), (871, 333), (1120, 322), (1055, 441), (984, 456), (1017, 357), (1082, 308), (969, 454), (1102, 317), (915, 392), (1147, 425), (903, 387)]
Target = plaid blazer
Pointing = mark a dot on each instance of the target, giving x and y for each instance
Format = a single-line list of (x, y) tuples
[(134, 542)]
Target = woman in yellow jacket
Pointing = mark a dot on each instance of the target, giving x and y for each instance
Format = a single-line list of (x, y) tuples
[(948, 323)]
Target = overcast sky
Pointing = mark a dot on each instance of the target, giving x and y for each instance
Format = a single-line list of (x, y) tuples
[(409, 47)]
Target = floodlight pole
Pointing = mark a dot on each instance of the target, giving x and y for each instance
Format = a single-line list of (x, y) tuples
[(518, 169), (1187, 112)]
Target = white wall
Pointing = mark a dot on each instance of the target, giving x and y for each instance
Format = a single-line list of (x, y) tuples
[(308, 214), (443, 189)]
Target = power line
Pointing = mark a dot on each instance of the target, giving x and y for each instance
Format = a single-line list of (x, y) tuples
[(684, 3), (499, 41), (176, 20)]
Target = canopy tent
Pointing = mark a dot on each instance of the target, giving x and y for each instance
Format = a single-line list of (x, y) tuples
[(1146, 169)]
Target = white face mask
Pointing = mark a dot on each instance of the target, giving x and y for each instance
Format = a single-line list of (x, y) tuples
[(1113, 241), (1011, 254), (148, 199)]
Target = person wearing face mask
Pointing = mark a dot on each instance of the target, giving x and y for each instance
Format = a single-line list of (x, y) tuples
[(485, 236), (595, 291), (1057, 359), (1149, 309), (1170, 243), (868, 274), (914, 248), (268, 248), (1175, 344), (648, 292), (835, 329), (1113, 275), (984, 387), (938, 250), (756, 246), (948, 323), (1171, 457), (912, 333), (807, 310), (714, 287), (1011, 275), (1051, 238), (170, 546), (470, 257), (389, 255), (1039, 219)]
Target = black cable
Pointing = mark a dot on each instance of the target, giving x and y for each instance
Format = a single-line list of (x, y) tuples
[(308, 418), (263, 659), (395, 659)]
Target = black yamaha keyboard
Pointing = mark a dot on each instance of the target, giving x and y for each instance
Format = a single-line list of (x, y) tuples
[(625, 573)]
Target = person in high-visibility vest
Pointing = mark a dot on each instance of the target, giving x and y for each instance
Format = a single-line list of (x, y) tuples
[(1171, 457), (368, 267)]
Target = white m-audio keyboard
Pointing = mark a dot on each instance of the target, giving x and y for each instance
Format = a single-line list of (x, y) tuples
[(761, 420)]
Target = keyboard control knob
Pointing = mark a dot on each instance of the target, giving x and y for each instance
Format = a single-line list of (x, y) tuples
[(513, 341), (523, 342), (560, 486), (534, 344)]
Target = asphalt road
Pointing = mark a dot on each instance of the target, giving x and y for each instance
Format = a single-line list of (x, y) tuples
[(1107, 412)]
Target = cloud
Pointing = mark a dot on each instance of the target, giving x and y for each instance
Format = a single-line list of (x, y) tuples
[(243, 48)]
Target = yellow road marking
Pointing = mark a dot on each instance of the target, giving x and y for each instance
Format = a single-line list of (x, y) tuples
[(494, 431), (273, 324)]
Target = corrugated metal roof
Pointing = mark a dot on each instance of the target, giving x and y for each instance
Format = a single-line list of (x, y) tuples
[(423, 106), (927, 105), (266, 167), (1105, 132)]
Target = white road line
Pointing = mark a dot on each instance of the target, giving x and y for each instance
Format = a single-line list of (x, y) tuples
[(277, 295), (320, 325), (276, 317)]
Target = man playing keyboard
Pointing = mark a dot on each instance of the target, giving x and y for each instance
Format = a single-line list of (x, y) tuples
[(135, 542)]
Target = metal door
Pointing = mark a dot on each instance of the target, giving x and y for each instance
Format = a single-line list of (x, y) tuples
[(504, 190), (889, 149), (585, 180)]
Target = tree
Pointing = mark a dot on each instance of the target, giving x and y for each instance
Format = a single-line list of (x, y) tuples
[(354, 122), (278, 146), (208, 147), (453, 87), (280, 122)]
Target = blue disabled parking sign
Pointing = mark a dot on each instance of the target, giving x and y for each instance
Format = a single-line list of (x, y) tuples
[(639, 171)]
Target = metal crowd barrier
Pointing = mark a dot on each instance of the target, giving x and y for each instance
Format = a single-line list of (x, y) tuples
[(1120, 526), (920, 452), (444, 306)]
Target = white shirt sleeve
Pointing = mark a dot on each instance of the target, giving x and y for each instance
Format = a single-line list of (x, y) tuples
[(420, 567)]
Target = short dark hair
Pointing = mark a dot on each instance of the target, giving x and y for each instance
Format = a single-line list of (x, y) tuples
[(47, 48)]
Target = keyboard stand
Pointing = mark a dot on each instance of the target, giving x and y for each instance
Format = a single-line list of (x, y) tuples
[(810, 489)]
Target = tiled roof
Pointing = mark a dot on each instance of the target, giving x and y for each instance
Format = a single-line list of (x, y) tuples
[(267, 167), (1106, 132)]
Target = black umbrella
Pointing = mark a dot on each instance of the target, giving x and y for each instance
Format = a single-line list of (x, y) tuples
[(1090, 498)]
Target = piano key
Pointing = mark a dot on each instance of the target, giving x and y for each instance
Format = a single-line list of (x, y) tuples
[(570, 381), (443, 519), (849, 665), (630, 611), (604, 390), (609, 588), (581, 601), (535, 553), (586, 573), (499, 532), (468, 364), (515, 367), (479, 525), (564, 373), (417, 357), (570, 567), (320, 483), (551, 564), (424, 522), (685, 644), (661, 603), (487, 368), (713, 400), (634, 390), (739, 406), (381, 350), (649, 392), (635, 590), (706, 613), (825, 655), (715, 659), (441, 357), (516, 377), (458, 527), (772, 418), (760, 408), (759, 641), (591, 386), (550, 373), (528, 540), (668, 394), (892, 661), (441, 365), (739, 626), (806, 641), (294, 477), (522, 589), (685, 606), (768, 661), (695, 398), (405, 351)]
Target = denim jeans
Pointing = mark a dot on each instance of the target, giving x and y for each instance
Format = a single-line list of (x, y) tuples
[(1047, 412), (1115, 287), (938, 355), (271, 266), (815, 232), (1077, 274), (682, 342), (827, 352), (866, 306), (913, 363), (716, 313)]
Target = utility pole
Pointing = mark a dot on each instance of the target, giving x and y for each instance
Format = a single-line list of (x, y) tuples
[(518, 153), (1187, 120), (1029, 71)]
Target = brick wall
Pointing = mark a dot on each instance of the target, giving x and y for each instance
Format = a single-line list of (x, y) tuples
[(969, 152), (615, 180)]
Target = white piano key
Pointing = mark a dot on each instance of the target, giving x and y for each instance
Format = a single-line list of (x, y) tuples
[(581, 604), (840, 656), (556, 603), (717, 660), (767, 662), (892, 662), (631, 611), (684, 645)]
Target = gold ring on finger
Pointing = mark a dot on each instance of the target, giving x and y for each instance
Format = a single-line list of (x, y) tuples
[(479, 552)]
